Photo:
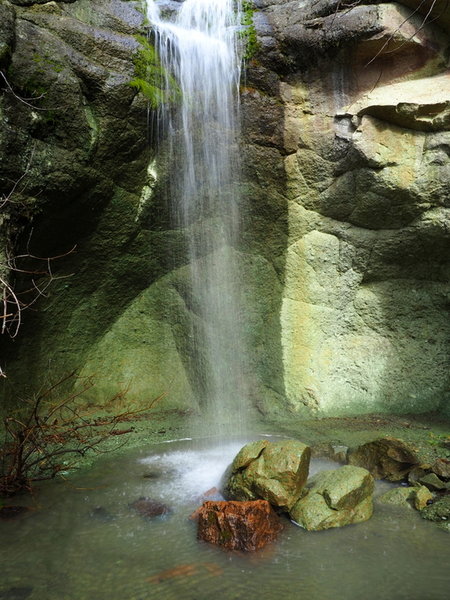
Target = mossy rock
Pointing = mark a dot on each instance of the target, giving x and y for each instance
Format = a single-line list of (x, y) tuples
[(335, 499), (274, 471)]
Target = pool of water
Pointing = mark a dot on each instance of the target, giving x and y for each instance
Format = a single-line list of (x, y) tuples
[(83, 541)]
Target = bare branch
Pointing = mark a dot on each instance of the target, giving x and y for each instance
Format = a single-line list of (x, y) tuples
[(36, 444)]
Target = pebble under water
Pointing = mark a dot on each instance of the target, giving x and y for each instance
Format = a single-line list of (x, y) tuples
[(86, 539)]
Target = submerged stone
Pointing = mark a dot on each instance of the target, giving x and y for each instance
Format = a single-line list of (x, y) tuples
[(146, 507), (12, 512), (386, 458), (335, 498), (245, 526), (16, 593), (100, 513), (273, 471)]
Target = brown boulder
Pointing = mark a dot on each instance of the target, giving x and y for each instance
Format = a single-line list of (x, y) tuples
[(245, 526), (386, 458)]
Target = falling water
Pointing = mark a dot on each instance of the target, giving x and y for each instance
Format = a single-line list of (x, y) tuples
[(199, 51)]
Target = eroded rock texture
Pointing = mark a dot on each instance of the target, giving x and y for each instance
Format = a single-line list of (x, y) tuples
[(335, 499), (274, 471), (346, 115), (244, 526), (345, 250)]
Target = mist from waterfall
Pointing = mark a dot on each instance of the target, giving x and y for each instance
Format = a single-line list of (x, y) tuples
[(199, 51)]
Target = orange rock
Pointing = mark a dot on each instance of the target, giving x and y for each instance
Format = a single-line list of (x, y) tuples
[(245, 526), (178, 571), (185, 571)]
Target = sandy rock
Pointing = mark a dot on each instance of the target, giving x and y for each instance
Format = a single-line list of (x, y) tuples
[(245, 526), (419, 104)]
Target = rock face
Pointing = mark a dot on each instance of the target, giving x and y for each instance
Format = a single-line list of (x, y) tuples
[(245, 526), (274, 471), (346, 115), (386, 458), (345, 202), (335, 498)]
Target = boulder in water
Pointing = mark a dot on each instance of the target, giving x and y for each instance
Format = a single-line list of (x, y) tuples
[(272, 471), (335, 498), (245, 526), (386, 458)]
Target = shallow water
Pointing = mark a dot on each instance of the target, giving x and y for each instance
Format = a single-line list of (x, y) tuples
[(82, 541)]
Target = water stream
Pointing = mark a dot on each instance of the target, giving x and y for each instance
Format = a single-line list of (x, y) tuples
[(199, 51)]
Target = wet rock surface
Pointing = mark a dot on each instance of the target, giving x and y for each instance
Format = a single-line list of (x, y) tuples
[(273, 471), (386, 458), (345, 200), (244, 526), (335, 499), (438, 511)]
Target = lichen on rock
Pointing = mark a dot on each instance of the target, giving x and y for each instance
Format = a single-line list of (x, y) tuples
[(273, 471), (335, 499)]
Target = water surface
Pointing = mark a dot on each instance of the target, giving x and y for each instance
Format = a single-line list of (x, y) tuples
[(82, 541)]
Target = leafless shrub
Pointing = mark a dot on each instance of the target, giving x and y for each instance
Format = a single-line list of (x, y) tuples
[(48, 436)]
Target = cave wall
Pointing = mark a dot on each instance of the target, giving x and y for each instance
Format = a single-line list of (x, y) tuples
[(345, 202)]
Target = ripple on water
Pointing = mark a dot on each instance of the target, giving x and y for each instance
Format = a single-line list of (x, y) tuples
[(86, 542)]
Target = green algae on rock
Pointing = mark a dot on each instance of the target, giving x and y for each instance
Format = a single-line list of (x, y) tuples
[(335, 499), (273, 471), (386, 458), (404, 496)]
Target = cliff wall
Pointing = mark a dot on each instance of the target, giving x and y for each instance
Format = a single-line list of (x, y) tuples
[(345, 198)]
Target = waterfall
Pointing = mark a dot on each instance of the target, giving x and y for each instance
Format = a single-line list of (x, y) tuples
[(199, 51)]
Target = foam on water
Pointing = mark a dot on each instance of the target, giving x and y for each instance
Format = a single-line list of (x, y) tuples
[(190, 473)]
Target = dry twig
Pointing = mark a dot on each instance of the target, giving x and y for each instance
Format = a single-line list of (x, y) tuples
[(46, 439)]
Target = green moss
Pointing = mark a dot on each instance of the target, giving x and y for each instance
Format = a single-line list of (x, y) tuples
[(150, 77), (248, 33), (46, 62)]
